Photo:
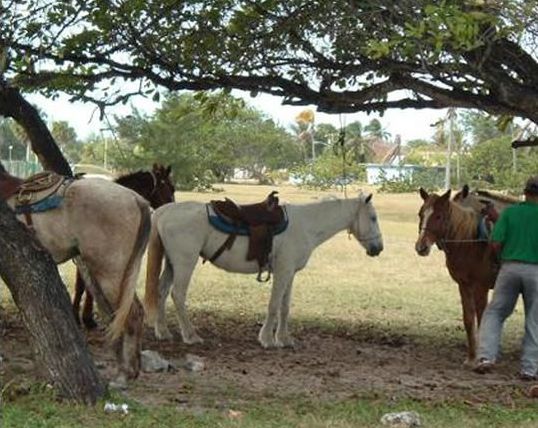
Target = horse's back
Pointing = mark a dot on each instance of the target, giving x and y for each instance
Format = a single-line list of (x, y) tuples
[(181, 220), (94, 213)]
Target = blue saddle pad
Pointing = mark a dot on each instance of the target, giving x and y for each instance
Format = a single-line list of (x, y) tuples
[(225, 226), (49, 203), (483, 229)]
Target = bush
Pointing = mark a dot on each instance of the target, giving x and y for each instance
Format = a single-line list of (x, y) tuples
[(327, 171), (428, 178)]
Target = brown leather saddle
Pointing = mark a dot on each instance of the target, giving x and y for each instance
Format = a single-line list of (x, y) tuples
[(261, 220), (38, 193)]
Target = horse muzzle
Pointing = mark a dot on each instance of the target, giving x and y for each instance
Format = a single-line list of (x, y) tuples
[(374, 250), (422, 248)]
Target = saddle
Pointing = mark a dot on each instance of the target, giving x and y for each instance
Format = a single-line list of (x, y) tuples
[(488, 217), (38, 193), (261, 221)]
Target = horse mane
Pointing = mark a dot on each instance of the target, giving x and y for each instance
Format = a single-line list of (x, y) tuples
[(498, 196), (130, 177), (463, 221)]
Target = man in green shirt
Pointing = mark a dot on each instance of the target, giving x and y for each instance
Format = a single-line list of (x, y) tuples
[(515, 241)]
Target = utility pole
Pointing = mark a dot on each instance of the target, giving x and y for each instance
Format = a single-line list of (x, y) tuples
[(451, 115)]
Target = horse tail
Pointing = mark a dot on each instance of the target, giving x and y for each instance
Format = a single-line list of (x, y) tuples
[(155, 257), (128, 284)]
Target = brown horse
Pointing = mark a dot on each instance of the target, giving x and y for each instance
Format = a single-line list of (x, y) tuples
[(157, 188), (479, 200), (106, 227), (454, 229)]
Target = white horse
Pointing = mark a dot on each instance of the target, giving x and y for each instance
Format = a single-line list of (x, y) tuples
[(182, 232)]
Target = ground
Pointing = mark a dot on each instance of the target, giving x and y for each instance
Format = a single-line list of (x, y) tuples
[(326, 365)]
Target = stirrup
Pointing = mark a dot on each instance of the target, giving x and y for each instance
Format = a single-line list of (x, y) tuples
[(259, 277)]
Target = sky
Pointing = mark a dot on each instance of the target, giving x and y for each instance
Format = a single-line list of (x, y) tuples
[(84, 118)]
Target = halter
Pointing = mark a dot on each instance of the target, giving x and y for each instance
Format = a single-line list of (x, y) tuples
[(441, 242), (370, 238), (362, 239), (155, 182)]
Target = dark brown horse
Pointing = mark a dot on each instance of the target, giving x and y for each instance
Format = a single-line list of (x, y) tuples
[(470, 262), (157, 188)]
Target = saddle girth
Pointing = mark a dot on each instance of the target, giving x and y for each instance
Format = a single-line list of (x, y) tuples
[(261, 220)]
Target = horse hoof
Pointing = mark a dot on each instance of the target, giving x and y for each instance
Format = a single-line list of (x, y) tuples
[(267, 344), (288, 343), (89, 323), (163, 334), (469, 363), (193, 340)]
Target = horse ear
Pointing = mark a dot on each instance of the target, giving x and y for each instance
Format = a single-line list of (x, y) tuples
[(465, 191), (368, 198), (168, 170), (423, 194), (445, 196)]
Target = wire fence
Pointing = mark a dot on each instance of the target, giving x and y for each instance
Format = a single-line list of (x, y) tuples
[(21, 168)]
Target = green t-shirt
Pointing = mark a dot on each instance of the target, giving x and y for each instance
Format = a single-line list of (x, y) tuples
[(517, 231)]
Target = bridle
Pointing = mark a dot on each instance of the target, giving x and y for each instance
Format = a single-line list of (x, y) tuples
[(360, 238), (155, 182), (441, 242)]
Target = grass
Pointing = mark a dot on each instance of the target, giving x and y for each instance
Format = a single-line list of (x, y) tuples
[(41, 410), (396, 293)]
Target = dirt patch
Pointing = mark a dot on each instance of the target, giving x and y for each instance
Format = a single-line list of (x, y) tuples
[(326, 365)]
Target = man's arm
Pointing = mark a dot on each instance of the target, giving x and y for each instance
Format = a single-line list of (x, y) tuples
[(496, 248)]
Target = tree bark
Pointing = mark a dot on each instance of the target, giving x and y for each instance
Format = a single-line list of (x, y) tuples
[(32, 277), (13, 104)]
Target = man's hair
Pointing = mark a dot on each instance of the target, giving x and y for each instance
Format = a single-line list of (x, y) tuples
[(531, 187)]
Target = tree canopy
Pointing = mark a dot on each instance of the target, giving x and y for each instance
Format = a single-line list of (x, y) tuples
[(343, 55), (204, 140)]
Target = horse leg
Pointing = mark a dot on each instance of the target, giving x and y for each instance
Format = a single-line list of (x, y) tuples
[(130, 343), (469, 321), (481, 299), (182, 277), (165, 283), (281, 282), (282, 336), (79, 291), (87, 312)]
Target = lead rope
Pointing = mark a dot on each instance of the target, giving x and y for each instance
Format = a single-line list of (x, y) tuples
[(341, 147)]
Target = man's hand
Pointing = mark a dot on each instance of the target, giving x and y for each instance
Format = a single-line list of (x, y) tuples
[(490, 212)]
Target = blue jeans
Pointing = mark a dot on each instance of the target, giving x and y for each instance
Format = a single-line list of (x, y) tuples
[(513, 279)]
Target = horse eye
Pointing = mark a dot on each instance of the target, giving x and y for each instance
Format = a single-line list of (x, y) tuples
[(373, 218)]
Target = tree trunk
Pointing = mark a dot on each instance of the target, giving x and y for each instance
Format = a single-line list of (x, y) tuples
[(13, 104), (32, 277)]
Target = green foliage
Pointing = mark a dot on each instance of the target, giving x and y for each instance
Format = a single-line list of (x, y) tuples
[(426, 155), (66, 138), (430, 179), (340, 55), (10, 137), (492, 161), (204, 138), (481, 126), (327, 171)]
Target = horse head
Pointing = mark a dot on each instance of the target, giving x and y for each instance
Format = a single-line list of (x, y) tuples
[(164, 189), (433, 220), (365, 226), (483, 202)]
